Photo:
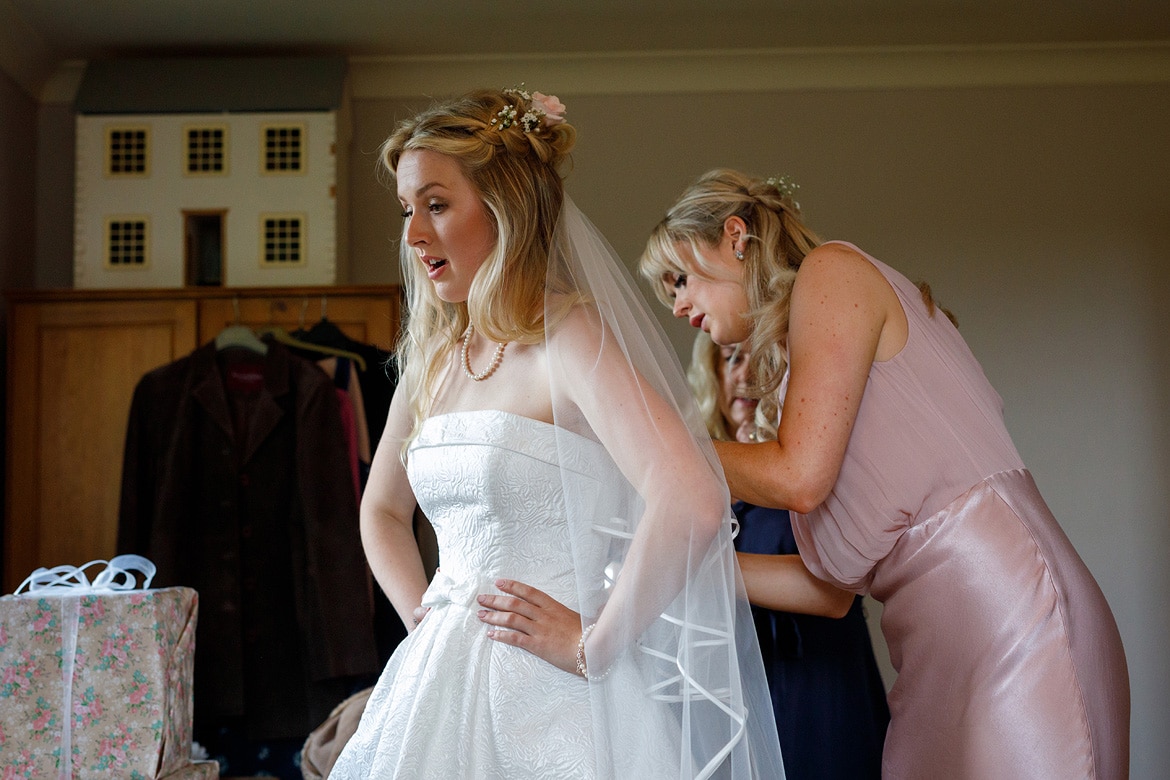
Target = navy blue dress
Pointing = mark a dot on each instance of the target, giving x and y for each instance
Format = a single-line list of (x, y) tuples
[(827, 692)]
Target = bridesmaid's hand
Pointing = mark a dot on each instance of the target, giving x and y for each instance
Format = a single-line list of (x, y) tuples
[(538, 623)]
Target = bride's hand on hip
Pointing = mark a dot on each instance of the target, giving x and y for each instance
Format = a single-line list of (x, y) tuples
[(537, 623)]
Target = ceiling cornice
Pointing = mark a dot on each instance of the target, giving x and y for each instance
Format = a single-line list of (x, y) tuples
[(769, 70), (26, 59)]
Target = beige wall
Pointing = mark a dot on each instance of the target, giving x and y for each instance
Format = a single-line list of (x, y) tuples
[(1040, 215)]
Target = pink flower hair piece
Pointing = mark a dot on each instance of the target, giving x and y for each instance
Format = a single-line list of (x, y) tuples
[(553, 108)]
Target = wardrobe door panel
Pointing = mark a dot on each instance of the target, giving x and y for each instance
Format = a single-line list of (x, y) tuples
[(73, 367), (369, 318)]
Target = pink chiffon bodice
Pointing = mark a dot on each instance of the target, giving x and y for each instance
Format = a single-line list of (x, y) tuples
[(930, 426)]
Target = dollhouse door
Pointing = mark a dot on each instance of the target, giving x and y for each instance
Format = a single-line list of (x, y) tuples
[(203, 231)]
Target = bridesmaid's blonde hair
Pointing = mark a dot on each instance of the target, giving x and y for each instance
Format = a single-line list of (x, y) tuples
[(778, 240), (515, 167)]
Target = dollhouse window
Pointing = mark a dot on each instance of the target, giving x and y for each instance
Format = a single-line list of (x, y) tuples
[(206, 148), (282, 240), (284, 149), (127, 151), (127, 242)]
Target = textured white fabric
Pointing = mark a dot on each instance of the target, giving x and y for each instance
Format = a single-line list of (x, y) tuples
[(454, 704)]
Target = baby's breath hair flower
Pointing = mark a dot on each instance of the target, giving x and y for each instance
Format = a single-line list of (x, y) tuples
[(505, 118), (519, 92), (785, 186)]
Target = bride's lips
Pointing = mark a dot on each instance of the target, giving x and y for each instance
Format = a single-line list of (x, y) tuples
[(435, 265), (697, 321)]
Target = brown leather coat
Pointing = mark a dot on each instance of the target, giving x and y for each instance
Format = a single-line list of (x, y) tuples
[(237, 482)]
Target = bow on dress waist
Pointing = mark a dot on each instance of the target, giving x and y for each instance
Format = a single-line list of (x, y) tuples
[(445, 589)]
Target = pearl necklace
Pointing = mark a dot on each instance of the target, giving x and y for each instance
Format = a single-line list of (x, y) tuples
[(491, 369)]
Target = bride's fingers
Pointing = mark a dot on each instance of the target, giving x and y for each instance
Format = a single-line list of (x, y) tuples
[(527, 592), (534, 621), (508, 604), (537, 643), (510, 620)]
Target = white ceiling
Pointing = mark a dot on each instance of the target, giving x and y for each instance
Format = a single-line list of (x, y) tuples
[(86, 29), (38, 36)]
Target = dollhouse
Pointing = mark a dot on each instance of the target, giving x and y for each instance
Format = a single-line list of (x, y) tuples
[(209, 172)]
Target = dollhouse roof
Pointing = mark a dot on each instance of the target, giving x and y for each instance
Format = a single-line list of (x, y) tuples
[(176, 85)]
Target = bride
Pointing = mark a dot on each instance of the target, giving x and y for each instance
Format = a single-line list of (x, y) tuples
[(587, 620)]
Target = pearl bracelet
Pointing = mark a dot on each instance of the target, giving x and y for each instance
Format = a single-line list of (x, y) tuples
[(582, 669)]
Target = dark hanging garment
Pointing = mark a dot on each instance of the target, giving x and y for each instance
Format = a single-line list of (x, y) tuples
[(237, 482), (378, 378), (377, 381)]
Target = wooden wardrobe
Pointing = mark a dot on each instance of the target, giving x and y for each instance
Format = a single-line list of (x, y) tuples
[(74, 359)]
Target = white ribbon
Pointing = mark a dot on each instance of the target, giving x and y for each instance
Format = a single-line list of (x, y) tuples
[(463, 593), (690, 689), (117, 575), (71, 583)]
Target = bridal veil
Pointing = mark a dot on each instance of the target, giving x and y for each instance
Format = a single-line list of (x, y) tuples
[(653, 545)]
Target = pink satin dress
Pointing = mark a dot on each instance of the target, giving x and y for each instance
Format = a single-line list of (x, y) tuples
[(1009, 661)]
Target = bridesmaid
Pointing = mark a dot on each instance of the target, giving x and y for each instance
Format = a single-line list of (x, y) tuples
[(892, 453)]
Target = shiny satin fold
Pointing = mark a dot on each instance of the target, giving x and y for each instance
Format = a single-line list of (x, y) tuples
[(1014, 635)]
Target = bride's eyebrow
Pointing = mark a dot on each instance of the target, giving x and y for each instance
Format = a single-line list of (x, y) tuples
[(426, 188)]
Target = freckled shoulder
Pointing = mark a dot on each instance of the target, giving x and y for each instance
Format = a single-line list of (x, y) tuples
[(834, 255), (835, 267), (837, 278)]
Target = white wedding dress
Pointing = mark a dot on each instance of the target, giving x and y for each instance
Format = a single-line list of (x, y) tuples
[(453, 703)]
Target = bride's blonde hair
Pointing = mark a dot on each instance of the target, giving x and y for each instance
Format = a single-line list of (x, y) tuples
[(515, 168), (778, 241)]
